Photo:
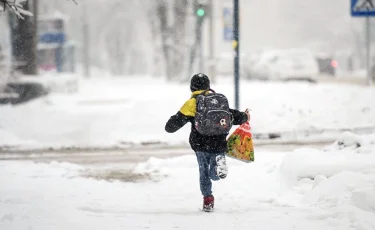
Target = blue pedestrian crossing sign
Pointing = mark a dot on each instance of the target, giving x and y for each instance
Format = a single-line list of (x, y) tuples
[(362, 8), (228, 24)]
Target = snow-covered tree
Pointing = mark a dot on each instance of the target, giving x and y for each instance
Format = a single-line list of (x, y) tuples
[(119, 39), (15, 6), (124, 37)]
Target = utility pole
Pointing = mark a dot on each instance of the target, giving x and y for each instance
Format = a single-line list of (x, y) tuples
[(200, 12), (236, 46), (368, 52)]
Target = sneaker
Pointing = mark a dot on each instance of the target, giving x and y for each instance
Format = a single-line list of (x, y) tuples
[(221, 168), (208, 203)]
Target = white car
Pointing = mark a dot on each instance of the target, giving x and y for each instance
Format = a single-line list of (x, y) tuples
[(291, 64)]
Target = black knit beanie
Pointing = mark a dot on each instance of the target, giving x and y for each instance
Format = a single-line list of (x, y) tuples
[(199, 81)]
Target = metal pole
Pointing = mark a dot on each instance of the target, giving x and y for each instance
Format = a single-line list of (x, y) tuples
[(368, 51), (200, 45), (236, 46)]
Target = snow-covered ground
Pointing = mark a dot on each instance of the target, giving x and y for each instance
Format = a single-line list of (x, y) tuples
[(109, 111), (331, 188)]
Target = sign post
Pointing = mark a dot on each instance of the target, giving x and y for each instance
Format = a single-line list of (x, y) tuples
[(365, 8), (228, 24), (368, 52)]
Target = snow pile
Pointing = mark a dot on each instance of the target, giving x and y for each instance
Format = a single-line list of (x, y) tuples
[(349, 141), (341, 177), (332, 188), (350, 152)]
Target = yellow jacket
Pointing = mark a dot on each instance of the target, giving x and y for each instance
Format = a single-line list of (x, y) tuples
[(190, 106)]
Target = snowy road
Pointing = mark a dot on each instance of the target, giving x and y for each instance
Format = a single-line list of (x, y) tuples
[(129, 155), (308, 188)]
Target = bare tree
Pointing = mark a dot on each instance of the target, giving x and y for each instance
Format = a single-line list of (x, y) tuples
[(120, 42), (118, 47), (173, 36), (24, 42), (162, 14), (157, 54), (179, 36), (116, 43), (17, 7)]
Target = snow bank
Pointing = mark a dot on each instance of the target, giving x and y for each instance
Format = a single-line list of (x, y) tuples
[(332, 188), (340, 177), (340, 174), (350, 152)]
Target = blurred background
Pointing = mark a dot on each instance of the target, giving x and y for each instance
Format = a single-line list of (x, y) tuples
[(156, 38), (101, 54)]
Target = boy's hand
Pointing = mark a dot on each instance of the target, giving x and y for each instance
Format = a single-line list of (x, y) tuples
[(248, 114)]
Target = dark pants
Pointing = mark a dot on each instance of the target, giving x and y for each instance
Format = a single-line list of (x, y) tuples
[(207, 171)]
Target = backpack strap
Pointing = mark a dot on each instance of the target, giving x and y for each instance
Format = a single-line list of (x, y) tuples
[(203, 93)]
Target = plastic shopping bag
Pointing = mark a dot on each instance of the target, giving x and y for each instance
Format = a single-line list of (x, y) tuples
[(240, 144)]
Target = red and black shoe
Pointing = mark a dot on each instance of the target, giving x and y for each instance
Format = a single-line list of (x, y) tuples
[(208, 203)]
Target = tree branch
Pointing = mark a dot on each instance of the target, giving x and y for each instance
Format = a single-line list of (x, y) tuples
[(74, 1), (16, 7)]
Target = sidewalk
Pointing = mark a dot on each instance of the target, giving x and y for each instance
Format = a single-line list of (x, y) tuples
[(343, 80)]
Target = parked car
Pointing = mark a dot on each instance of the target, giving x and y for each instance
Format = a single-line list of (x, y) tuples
[(327, 65), (289, 64)]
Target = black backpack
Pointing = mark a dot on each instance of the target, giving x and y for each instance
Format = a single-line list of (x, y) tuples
[(212, 115)]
